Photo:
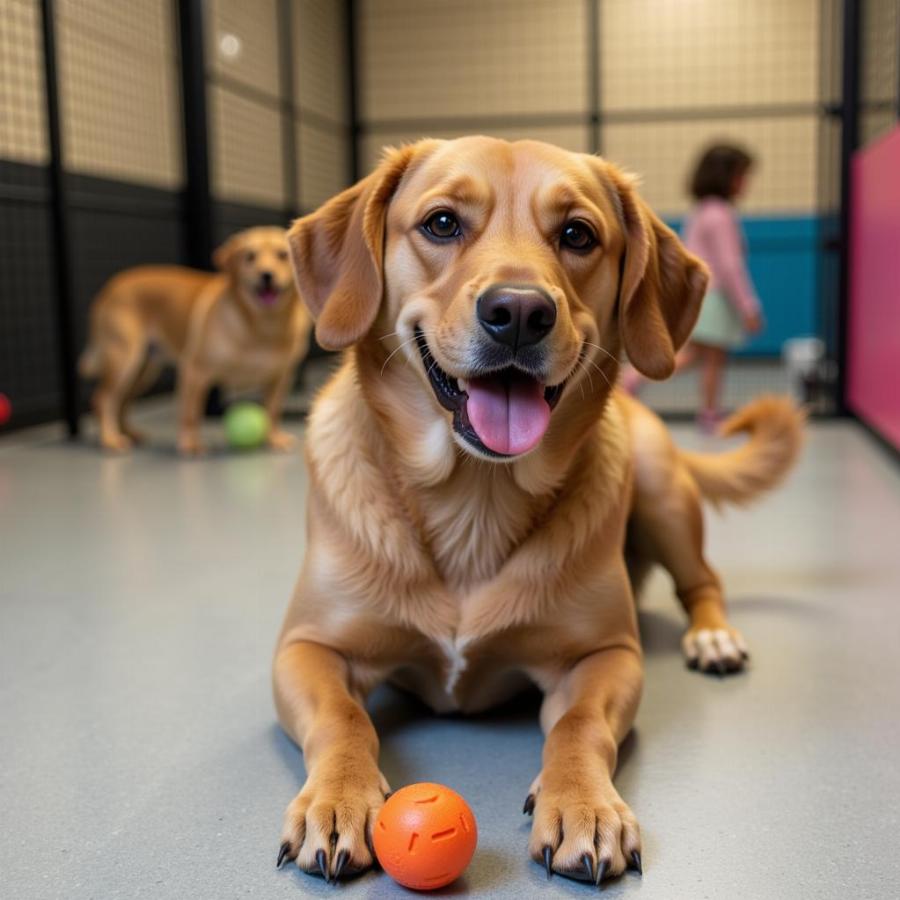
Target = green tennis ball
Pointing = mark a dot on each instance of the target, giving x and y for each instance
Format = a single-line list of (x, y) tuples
[(246, 425)]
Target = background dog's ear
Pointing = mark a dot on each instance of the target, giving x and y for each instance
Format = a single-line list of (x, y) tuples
[(338, 252), (661, 288), (224, 256)]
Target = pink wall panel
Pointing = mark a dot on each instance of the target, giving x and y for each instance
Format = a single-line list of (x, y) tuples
[(873, 379)]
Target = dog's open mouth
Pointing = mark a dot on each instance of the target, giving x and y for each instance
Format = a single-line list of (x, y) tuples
[(267, 294), (502, 413)]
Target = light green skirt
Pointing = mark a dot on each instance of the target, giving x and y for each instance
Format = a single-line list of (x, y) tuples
[(719, 325)]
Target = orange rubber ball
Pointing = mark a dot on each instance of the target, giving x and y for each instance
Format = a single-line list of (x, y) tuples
[(425, 836)]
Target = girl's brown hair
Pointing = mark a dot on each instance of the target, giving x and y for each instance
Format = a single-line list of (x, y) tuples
[(718, 169)]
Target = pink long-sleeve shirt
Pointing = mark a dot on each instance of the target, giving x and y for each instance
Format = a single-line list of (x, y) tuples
[(712, 232)]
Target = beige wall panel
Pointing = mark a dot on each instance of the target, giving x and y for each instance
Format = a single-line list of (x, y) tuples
[(880, 30), (23, 135), (145, 25), (320, 63), (247, 158), (874, 124), (323, 161), (471, 57), (120, 104), (687, 53), (664, 154), (574, 137), (255, 58)]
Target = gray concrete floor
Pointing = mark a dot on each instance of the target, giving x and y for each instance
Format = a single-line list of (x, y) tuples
[(139, 755)]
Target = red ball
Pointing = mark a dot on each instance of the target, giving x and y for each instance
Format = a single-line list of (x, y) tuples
[(425, 836), (5, 409)]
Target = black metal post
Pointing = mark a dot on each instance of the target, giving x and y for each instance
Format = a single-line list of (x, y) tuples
[(197, 197), (593, 17), (65, 333), (288, 106), (849, 140), (352, 50)]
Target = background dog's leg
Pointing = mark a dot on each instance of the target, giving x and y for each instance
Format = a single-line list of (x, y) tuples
[(123, 358), (276, 391), (143, 381), (582, 827), (327, 827), (668, 525), (193, 386)]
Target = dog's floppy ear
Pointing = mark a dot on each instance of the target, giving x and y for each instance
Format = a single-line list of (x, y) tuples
[(337, 254), (224, 256), (661, 288)]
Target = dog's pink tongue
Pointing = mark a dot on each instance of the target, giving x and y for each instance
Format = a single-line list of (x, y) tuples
[(509, 417)]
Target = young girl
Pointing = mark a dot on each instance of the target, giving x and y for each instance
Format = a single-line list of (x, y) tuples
[(730, 309)]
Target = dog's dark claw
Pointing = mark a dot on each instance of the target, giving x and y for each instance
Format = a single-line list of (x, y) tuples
[(588, 862), (339, 863), (636, 862), (548, 861), (283, 851), (322, 863), (602, 866), (528, 808)]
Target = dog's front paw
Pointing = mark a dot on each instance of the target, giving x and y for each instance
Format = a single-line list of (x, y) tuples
[(116, 443), (191, 445), (715, 650), (281, 440), (328, 825), (582, 827)]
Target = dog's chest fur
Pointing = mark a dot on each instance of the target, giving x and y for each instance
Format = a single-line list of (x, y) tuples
[(473, 522)]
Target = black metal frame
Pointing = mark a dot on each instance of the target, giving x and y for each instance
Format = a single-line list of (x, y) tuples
[(288, 105), (849, 141), (352, 49), (195, 122), (594, 105), (60, 224)]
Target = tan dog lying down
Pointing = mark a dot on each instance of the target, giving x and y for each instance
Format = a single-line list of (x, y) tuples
[(482, 503), (242, 327)]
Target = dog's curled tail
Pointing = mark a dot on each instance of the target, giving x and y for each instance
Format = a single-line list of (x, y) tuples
[(775, 428)]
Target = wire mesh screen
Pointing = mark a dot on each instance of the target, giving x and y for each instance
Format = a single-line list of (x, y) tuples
[(280, 133), (246, 104), (880, 68)]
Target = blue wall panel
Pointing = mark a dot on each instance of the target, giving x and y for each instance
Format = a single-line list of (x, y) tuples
[(783, 257)]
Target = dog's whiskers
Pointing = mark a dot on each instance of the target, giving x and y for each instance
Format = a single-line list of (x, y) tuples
[(601, 349), (395, 351)]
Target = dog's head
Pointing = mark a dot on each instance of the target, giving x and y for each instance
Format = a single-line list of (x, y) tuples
[(505, 272), (257, 263)]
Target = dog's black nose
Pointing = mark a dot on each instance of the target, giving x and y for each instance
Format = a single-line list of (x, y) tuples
[(516, 315), (267, 278)]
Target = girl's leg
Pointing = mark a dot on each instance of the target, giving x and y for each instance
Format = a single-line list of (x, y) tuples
[(685, 357), (712, 362)]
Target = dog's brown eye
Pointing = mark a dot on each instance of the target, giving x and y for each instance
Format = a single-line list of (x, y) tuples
[(578, 235), (442, 225), (282, 254), (250, 255)]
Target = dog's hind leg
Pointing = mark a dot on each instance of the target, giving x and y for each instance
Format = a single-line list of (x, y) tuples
[(667, 525), (123, 356), (144, 380)]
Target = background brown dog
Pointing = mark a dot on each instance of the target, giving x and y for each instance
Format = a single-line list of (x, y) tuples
[(476, 484), (242, 327)]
